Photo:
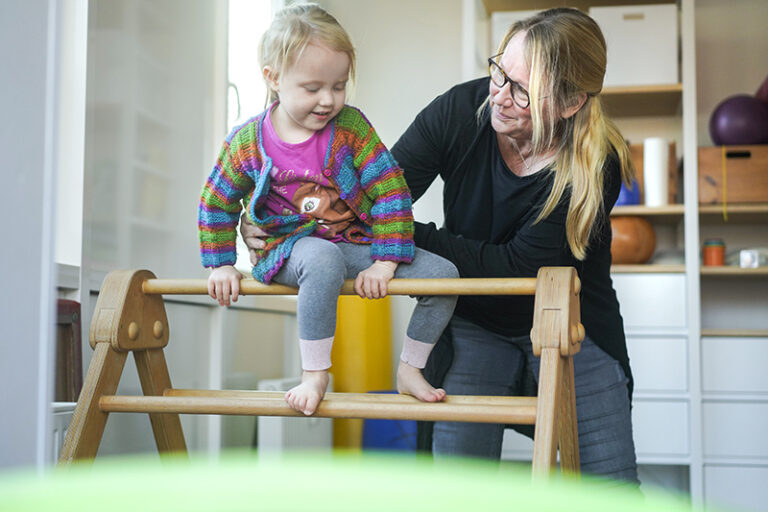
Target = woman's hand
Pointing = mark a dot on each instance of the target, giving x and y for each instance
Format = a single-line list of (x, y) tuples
[(252, 237), (223, 283), (372, 282)]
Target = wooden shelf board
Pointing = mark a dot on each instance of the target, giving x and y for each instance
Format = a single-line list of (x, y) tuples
[(647, 269), (734, 271), (749, 333), (669, 214), (584, 5), (747, 212), (756, 210), (672, 210), (644, 100)]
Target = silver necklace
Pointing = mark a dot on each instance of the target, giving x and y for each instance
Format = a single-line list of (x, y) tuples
[(522, 159)]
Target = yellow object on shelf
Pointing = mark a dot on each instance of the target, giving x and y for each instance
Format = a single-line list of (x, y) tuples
[(361, 357)]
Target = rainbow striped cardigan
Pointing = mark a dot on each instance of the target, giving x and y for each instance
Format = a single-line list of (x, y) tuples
[(357, 163)]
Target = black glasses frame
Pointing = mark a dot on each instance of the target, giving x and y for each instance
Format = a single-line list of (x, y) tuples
[(514, 87)]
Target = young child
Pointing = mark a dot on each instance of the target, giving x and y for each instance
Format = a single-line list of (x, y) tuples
[(312, 173)]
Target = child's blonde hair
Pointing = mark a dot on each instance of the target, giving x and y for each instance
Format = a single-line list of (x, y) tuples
[(292, 29)]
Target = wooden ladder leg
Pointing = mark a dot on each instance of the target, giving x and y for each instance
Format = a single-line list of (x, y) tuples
[(569, 435), (556, 337), (154, 377), (88, 421), (124, 320), (546, 432)]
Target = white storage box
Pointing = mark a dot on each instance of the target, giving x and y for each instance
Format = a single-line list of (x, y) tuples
[(500, 23), (642, 44)]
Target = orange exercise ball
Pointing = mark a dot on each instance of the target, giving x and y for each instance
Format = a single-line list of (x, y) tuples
[(634, 240)]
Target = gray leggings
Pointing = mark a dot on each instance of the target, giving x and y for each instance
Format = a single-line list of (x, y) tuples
[(318, 267), (485, 363)]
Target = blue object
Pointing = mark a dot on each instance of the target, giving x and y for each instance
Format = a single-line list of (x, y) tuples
[(629, 196), (389, 435)]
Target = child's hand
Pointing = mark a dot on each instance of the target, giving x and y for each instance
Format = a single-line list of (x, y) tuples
[(372, 282), (223, 283)]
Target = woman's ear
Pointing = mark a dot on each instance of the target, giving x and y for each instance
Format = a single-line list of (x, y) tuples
[(270, 76), (571, 110)]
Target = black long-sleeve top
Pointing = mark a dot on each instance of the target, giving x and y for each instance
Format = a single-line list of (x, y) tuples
[(489, 214)]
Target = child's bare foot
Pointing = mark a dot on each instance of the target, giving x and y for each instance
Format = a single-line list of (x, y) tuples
[(306, 396), (410, 381)]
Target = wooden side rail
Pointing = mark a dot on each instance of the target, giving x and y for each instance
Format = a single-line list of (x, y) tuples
[(515, 410), (130, 318)]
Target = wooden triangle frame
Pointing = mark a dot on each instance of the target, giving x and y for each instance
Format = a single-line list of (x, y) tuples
[(130, 318)]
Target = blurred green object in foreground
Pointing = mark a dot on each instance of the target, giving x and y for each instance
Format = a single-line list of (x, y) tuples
[(310, 482)]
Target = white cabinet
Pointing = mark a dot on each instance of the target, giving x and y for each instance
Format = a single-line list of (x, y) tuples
[(661, 430), (735, 429), (732, 486), (651, 300), (654, 310), (734, 365), (659, 363)]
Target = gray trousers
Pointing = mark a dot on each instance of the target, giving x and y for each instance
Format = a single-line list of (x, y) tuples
[(319, 267), (485, 363)]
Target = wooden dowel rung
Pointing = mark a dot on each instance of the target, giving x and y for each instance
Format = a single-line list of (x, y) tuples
[(529, 401), (464, 286), (523, 413)]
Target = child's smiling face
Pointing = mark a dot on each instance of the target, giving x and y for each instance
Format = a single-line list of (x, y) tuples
[(311, 92)]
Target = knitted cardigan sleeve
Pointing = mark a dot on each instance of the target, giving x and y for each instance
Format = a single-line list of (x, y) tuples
[(380, 188), (224, 190)]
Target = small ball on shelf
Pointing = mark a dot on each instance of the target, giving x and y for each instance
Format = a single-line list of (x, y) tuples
[(634, 240)]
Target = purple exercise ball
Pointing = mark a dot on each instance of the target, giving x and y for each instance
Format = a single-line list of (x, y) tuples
[(739, 120)]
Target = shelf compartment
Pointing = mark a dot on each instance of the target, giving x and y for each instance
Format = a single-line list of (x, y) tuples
[(643, 101), (743, 213)]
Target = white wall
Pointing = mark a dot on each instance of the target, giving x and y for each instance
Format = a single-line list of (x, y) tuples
[(407, 54), (71, 127), (29, 38)]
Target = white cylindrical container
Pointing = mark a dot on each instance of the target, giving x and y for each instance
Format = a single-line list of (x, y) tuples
[(655, 171)]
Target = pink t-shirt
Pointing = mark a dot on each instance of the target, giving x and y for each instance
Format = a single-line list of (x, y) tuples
[(294, 166)]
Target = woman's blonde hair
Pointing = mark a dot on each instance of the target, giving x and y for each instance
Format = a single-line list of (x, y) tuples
[(292, 29), (566, 54)]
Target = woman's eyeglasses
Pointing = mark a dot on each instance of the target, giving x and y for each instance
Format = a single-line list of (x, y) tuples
[(499, 78)]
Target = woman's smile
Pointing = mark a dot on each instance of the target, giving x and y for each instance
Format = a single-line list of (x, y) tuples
[(500, 115)]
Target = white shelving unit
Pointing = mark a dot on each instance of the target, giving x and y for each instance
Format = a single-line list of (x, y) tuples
[(135, 114)]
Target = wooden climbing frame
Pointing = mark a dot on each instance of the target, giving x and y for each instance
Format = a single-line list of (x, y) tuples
[(130, 318)]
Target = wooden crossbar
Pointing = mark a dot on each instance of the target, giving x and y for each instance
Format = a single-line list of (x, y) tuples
[(462, 286), (130, 317), (510, 410)]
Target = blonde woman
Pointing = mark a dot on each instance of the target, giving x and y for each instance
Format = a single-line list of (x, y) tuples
[(532, 168)]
